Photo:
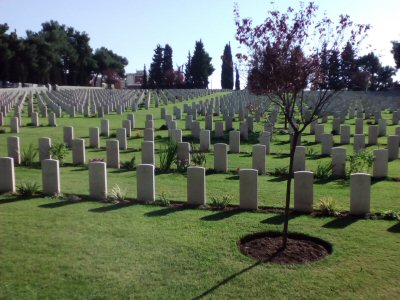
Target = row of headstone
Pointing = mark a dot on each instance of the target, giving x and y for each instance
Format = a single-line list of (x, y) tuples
[(360, 185)]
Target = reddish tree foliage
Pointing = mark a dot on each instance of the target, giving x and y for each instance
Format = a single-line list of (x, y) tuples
[(285, 56)]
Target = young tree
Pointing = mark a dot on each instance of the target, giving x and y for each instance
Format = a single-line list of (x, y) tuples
[(200, 66), (237, 81), (284, 62), (227, 68)]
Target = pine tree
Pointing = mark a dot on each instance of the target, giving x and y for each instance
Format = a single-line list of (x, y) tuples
[(335, 81), (167, 67), (144, 83), (200, 66), (155, 73), (237, 81), (348, 66), (227, 68), (188, 72)]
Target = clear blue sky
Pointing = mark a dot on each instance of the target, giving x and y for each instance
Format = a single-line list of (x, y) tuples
[(134, 28)]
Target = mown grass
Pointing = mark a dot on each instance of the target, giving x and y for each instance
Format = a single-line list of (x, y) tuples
[(69, 250)]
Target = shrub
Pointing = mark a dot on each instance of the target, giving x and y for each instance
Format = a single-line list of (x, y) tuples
[(139, 133), (29, 155), (117, 194), (220, 203), (163, 200), (311, 151), (129, 164), (198, 158), (360, 161), (59, 151), (281, 171), (28, 188), (324, 170), (327, 206), (182, 165), (168, 155), (2, 131)]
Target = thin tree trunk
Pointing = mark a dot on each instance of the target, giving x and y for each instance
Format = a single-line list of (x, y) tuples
[(288, 190)]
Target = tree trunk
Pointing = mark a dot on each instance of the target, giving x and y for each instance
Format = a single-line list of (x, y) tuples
[(288, 189)]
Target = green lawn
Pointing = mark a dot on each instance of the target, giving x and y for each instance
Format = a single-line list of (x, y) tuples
[(51, 249), (101, 251)]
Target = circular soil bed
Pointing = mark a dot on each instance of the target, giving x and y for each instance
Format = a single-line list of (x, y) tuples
[(266, 247)]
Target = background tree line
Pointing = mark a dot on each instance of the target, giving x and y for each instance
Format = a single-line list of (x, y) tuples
[(162, 75), (347, 71), (57, 54)]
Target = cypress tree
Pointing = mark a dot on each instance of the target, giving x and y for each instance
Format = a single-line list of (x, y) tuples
[(227, 68), (237, 81)]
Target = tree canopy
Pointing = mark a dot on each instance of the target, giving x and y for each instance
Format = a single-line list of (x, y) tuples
[(56, 54), (200, 67), (227, 68)]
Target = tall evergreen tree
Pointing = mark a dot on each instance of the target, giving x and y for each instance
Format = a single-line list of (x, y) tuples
[(167, 67), (237, 81), (188, 72), (156, 73), (227, 68), (348, 65), (144, 83), (200, 66), (335, 81)]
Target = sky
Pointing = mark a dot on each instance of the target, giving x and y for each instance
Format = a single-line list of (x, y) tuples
[(134, 28)]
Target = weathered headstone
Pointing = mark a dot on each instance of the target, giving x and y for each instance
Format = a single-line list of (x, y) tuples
[(145, 183), (196, 186), (51, 177), (303, 191), (98, 180), (248, 189), (360, 193)]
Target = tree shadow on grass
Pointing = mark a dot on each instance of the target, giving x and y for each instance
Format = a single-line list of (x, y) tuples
[(395, 228), (279, 219), (221, 215), (234, 177), (168, 210), (226, 280), (340, 223)]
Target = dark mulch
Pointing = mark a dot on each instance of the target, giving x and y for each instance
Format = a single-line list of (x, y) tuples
[(266, 247)]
